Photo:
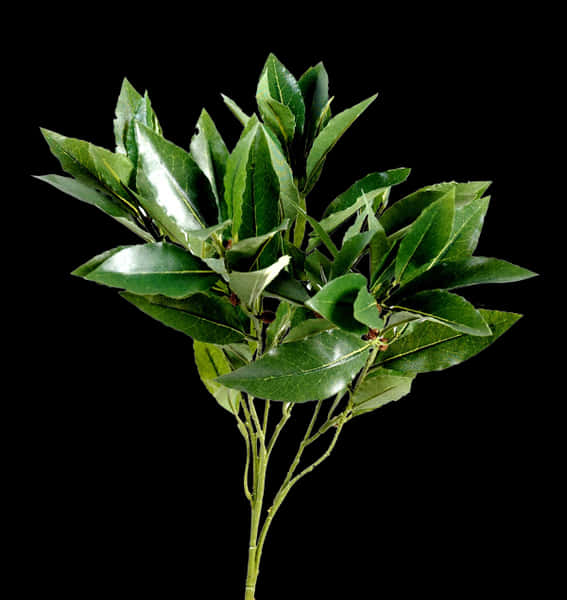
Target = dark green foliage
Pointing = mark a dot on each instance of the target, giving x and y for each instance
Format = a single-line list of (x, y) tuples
[(225, 259)]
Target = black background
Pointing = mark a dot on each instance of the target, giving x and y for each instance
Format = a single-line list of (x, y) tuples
[(128, 476)]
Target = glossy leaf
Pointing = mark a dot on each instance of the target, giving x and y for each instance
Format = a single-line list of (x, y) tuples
[(146, 116), (307, 328), (235, 178), (329, 136), (426, 238), (285, 287), (371, 183), (113, 170), (318, 268), (257, 210), (199, 240), (335, 302), (452, 274), (380, 386), (283, 88), (350, 252), (236, 110), (310, 369), (467, 226), (131, 106), (275, 114), (403, 212), (336, 219), (289, 194), (173, 190), (73, 154), (366, 310), (279, 326), (158, 268), (96, 261), (314, 86), (212, 362), (99, 198), (446, 308), (250, 251), (204, 317), (249, 285), (210, 153), (429, 346)]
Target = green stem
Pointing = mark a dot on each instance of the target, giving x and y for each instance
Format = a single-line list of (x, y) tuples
[(256, 512)]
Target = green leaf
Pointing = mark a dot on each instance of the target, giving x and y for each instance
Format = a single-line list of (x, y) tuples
[(467, 226), (278, 327), (379, 245), (96, 261), (405, 211), (429, 346), (329, 136), (275, 114), (446, 308), (204, 317), (212, 362), (210, 153), (426, 238), (73, 155), (146, 116), (256, 211), (289, 194), (314, 86), (371, 183), (336, 219), (249, 285), (285, 287), (114, 170), (309, 369), (308, 328), (366, 311), (247, 253), (174, 191), (284, 88), (379, 387), (129, 102), (158, 268), (99, 198), (318, 268), (235, 178), (132, 106), (335, 302), (198, 239), (236, 110), (352, 249), (452, 274)]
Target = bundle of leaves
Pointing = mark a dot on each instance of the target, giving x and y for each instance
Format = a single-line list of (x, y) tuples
[(283, 307)]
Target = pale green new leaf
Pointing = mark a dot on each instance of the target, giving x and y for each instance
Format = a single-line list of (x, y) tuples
[(236, 110), (380, 386), (249, 285), (211, 363), (366, 310)]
